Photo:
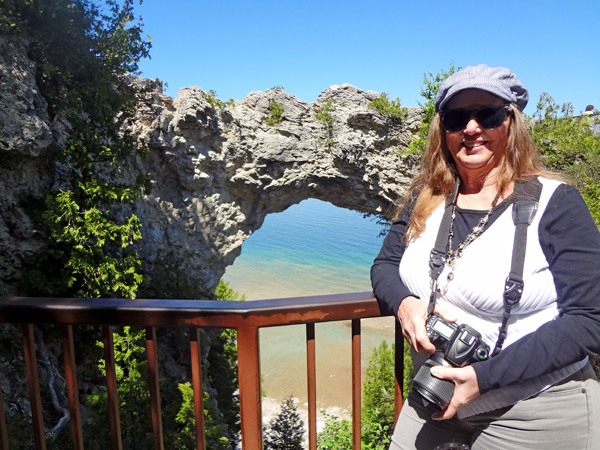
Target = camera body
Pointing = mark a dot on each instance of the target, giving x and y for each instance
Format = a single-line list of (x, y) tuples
[(456, 346), (460, 344)]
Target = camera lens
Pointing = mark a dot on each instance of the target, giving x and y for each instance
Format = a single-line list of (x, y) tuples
[(439, 392)]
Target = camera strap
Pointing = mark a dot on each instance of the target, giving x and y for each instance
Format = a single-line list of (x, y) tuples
[(438, 255), (527, 196), (524, 210)]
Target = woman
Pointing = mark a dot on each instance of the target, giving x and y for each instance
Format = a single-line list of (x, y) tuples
[(539, 391)]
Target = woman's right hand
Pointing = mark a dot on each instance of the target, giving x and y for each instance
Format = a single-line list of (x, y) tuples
[(412, 313)]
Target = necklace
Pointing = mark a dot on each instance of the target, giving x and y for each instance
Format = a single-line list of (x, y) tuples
[(454, 255)]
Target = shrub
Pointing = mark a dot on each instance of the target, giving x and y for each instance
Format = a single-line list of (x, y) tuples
[(275, 113), (392, 109)]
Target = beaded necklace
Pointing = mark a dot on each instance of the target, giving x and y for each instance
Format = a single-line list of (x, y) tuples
[(453, 255)]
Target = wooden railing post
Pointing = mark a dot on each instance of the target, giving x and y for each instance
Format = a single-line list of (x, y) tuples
[(72, 387), (111, 387), (39, 432), (249, 379), (153, 384), (198, 392), (312, 386), (356, 387), (398, 371)]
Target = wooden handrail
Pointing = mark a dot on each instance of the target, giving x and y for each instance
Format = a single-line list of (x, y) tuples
[(246, 317), (186, 313)]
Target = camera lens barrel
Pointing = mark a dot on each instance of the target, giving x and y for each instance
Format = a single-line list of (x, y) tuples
[(439, 392)]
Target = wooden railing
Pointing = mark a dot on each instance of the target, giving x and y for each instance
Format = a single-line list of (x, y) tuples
[(245, 317)]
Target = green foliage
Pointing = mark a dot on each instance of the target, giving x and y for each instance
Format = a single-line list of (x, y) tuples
[(211, 97), (378, 385), (337, 434), (429, 91), (409, 371), (392, 109), (324, 116), (83, 55), (570, 144), (220, 383), (275, 113), (278, 88), (286, 430), (222, 380), (226, 293), (131, 368), (591, 195), (91, 245), (186, 438), (169, 278)]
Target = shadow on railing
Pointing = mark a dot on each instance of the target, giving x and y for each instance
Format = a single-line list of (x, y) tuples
[(246, 317)]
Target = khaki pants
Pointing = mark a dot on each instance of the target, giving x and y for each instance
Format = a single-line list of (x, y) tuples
[(564, 417)]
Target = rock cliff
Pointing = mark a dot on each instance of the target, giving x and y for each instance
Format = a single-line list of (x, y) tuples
[(217, 171)]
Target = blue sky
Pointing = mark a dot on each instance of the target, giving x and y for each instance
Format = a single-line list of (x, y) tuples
[(235, 47)]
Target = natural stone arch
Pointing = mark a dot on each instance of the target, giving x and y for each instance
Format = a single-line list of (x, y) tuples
[(218, 172)]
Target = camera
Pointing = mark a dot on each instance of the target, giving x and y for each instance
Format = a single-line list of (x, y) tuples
[(456, 346)]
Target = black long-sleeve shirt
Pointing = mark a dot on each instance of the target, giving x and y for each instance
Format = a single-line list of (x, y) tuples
[(571, 244)]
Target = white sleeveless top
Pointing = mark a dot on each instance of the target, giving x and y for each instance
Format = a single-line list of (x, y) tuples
[(475, 294)]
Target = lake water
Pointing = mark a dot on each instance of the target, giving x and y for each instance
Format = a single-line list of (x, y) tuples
[(312, 248)]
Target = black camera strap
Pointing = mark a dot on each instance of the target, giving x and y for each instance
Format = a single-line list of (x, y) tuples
[(524, 210), (438, 255), (527, 196)]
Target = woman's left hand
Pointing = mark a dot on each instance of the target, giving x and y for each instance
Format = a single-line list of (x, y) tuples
[(466, 388)]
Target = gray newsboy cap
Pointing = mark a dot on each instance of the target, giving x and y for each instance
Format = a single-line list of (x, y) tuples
[(499, 81)]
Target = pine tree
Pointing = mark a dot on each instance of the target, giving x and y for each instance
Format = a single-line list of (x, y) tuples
[(378, 387), (286, 429)]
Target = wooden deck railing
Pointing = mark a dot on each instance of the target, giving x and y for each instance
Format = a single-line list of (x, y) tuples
[(246, 317)]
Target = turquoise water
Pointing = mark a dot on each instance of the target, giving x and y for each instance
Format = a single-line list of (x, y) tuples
[(311, 248)]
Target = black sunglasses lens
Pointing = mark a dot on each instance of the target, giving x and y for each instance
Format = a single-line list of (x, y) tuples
[(456, 120), (492, 117), (489, 118)]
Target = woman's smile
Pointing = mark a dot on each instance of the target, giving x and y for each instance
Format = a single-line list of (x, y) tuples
[(474, 148)]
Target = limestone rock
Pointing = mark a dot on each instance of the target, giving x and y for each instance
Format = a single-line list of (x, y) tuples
[(23, 111), (219, 171)]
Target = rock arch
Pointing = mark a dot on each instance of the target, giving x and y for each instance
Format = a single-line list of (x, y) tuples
[(219, 171)]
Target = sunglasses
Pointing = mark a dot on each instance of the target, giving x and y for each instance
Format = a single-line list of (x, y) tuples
[(488, 117)]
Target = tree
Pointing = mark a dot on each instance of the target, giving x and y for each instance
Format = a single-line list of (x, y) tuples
[(84, 54), (131, 369), (570, 144), (378, 386), (286, 430)]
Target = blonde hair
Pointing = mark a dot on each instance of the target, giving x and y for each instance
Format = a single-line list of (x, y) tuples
[(438, 171)]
